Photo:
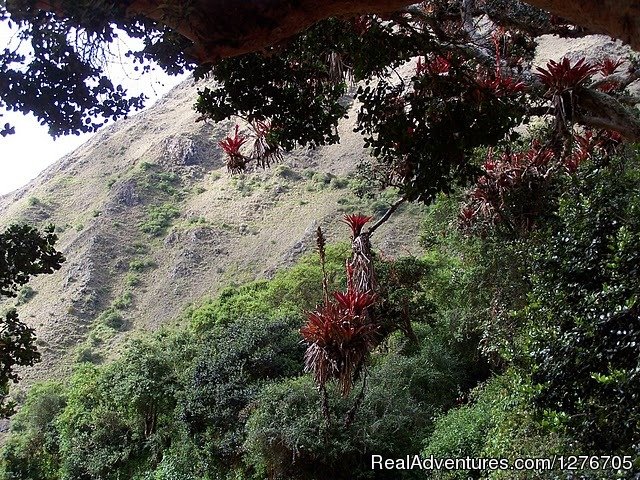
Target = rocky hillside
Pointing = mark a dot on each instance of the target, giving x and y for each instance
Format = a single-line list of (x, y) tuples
[(150, 222)]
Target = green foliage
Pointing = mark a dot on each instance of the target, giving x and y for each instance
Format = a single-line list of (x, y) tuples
[(131, 279), (209, 403), (339, 183), (32, 451), (288, 437), (259, 87), (159, 218), (117, 416), (87, 354), (33, 201), (25, 294), (162, 181), (60, 81), (124, 301), (227, 376), (586, 306), (24, 252), (17, 348), (286, 172), (112, 318), (140, 265), (497, 420), (287, 293), (195, 221)]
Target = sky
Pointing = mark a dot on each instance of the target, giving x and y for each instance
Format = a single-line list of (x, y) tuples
[(30, 150)]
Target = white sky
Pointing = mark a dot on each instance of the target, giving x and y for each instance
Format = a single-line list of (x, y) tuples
[(30, 150)]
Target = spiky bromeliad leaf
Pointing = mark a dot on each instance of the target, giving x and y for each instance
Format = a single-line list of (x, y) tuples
[(340, 336), (561, 76), (356, 221), (236, 161)]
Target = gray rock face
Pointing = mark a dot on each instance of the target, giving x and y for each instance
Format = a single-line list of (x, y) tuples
[(126, 193)]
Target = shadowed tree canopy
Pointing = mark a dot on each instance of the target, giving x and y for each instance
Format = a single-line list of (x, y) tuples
[(283, 67), (24, 253)]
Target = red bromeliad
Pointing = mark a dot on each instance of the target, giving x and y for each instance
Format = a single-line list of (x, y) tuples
[(340, 336), (608, 66), (356, 222), (236, 162), (487, 203), (501, 86), (231, 145), (265, 150), (437, 66), (561, 76), (340, 333)]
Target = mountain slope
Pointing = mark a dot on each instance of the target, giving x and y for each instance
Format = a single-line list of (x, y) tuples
[(150, 221)]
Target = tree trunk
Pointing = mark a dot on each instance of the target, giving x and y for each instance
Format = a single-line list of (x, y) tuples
[(226, 28)]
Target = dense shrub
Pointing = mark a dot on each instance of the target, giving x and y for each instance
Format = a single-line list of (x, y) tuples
[(288, 437), (239, 359), (585, 301), (32, 450)]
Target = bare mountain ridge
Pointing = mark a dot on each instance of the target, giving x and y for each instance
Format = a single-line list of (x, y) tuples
[(150, 221)]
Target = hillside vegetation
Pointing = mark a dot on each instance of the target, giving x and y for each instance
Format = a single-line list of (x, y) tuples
[(229, 309), (519, 346), (150, 221)]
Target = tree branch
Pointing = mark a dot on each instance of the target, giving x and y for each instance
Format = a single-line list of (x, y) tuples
[(386, 216), (223, 28), (617, 18), (599, 110)]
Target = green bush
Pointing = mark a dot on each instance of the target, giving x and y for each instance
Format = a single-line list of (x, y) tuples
[(124, 302), (159, 218), (141, 265), (227, 375), (289, 292), (131, 279), (288, 437), (338, 183), (585, 307), (286, 172), (25, 294), (87, 354), (32, 450), (111, 318), (34, 201)]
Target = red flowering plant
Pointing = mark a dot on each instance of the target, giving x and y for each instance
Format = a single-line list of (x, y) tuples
[(607, 66), (236, 161), (266, 149), (561, 76), (340, 334), (500, 85), (356, 222), (437, 65), (498, 82), (511, 191)]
